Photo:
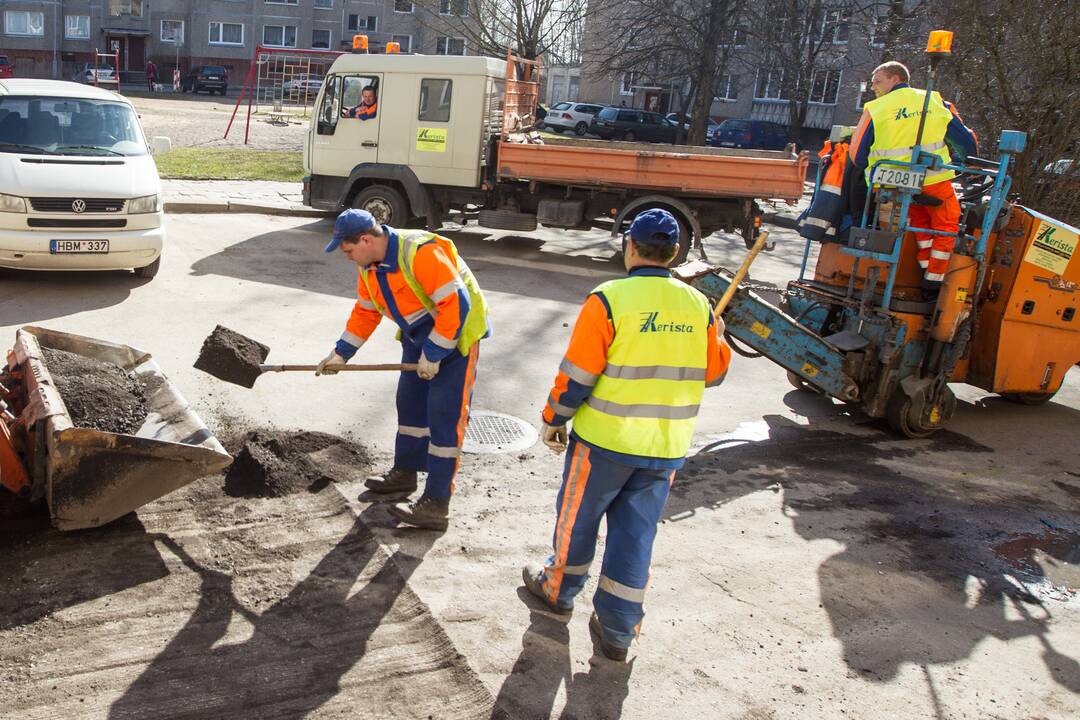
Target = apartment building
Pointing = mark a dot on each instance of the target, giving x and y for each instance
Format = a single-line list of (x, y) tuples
[(751, 89), (52, 38)]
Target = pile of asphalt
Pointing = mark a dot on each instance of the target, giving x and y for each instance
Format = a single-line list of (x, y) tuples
[(272, 463), (99, 395), (232, 357)]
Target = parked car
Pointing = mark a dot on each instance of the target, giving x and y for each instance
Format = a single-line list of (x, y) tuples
[(303, 85), (86, 73), (6, 68), (571, 116), (211, 78), (710, 126), (78, 187), (614, 123), (749, 135)]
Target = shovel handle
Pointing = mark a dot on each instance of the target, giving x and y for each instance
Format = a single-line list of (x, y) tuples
[(401, 367), (740, 274)]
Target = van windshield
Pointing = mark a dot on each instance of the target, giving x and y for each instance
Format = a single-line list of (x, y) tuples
[(68, 126)]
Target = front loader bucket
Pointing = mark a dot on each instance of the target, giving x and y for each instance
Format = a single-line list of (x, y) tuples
[(92, 477)]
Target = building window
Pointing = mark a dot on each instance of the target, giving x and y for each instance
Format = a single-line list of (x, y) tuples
[(728, 88), (282, 2), (627, 83), (77, 27), (435, 100), (824, 86), (125, 7), (223, 33), (172, 31), (21, 22), (363, 22), (454, 7), (449, 45), (835, 26), (320, 39), (877, 32), (738, 37), (405, 41), (769, 85), (403, 6), (279, 36), (323, 4)]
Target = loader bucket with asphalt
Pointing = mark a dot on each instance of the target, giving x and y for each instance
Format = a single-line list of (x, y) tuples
[(87, 476)]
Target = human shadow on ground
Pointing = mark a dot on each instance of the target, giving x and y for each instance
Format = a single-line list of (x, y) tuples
[(302, 646), (510, 264), (918, 580), (544, 665)]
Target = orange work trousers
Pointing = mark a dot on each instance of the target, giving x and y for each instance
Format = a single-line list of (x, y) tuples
[(934, 250)]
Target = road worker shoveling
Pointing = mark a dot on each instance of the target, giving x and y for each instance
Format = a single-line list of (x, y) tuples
[(237, 359)]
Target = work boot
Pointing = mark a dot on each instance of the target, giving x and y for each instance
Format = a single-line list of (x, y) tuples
[(611, 650), (533, 577), (427, 512), (397, 480)]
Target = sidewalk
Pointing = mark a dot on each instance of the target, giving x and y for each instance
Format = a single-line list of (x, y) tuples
[(240, 196)]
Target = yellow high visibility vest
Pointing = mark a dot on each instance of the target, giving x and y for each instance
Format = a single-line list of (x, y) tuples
[(646, 400), (896, 126), (476, 322)]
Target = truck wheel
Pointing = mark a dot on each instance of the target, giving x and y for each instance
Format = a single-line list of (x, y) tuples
[(385, 203), (149, 271), (507, 220), (1028, 398), (580, 129)]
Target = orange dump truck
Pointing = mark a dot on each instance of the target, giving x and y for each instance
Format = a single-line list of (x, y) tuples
[(453, 133)]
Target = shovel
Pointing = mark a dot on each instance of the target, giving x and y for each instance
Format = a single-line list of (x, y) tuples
[(235, 358)]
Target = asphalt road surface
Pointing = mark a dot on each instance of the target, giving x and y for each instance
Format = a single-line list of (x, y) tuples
[(810, 564)]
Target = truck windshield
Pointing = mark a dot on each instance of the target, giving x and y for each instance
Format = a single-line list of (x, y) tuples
[(68, 126)]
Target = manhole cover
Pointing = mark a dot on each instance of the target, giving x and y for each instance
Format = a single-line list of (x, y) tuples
[(492, 432)]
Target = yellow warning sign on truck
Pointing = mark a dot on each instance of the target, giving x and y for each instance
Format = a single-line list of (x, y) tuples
[(431, 139), (1052, 248)]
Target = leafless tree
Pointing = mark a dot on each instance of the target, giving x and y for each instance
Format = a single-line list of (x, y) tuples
[(1022, 75), (682, 44), (530, 28)]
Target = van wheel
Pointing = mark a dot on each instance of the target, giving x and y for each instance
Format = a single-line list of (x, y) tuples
[(507, 220), (149, 271), (580, 129), (385, 203)]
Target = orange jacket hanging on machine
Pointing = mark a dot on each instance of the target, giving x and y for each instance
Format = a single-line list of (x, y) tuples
[(829, 204)]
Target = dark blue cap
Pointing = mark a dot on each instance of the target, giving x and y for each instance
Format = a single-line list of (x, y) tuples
[(349, 224), (655, 227)]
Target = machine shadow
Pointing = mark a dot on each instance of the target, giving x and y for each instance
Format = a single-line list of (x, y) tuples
[(47, 568), (28, 297), (531, 688), (512, 265), (918, 580), (300, 648)]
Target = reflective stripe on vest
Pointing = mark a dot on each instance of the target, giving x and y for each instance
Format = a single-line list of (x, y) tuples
[(896, 127), (409, 242), (826, 208), (646, 400)]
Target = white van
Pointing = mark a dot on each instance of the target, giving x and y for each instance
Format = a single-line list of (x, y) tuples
[(78, 188)]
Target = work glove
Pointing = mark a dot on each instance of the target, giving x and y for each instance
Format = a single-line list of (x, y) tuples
[(721, 327), (426, 369), (332, 359), (555, 437)]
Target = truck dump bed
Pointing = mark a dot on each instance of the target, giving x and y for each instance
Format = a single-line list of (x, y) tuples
[(709, 172)]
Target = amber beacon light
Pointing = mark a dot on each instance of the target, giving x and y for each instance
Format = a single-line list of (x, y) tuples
[(392, 48), (359, 43), (940, 42)]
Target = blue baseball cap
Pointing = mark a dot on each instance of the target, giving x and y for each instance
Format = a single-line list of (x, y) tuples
[(349, 224), (655, 227)]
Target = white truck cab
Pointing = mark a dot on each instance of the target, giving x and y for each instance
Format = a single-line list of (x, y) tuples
[(78, 187)]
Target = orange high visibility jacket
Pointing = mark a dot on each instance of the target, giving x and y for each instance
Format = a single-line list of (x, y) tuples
[(437, 332), (829, 204), (363, 112)]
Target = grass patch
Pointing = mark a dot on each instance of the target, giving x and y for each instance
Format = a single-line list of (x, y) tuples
[(230, 164)]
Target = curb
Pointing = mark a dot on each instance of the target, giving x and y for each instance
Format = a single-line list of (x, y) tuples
[(187, 207)]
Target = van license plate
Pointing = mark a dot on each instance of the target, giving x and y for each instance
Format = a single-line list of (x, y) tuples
[(62, 247), (900, 177)]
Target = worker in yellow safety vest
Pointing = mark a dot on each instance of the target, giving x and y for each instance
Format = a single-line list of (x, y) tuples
[(642, 352), (888, 130)]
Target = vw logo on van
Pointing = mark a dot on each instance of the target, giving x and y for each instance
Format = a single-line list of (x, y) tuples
[(78, 206)]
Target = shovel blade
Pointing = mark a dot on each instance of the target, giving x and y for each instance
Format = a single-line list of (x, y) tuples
[(232, 357)]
